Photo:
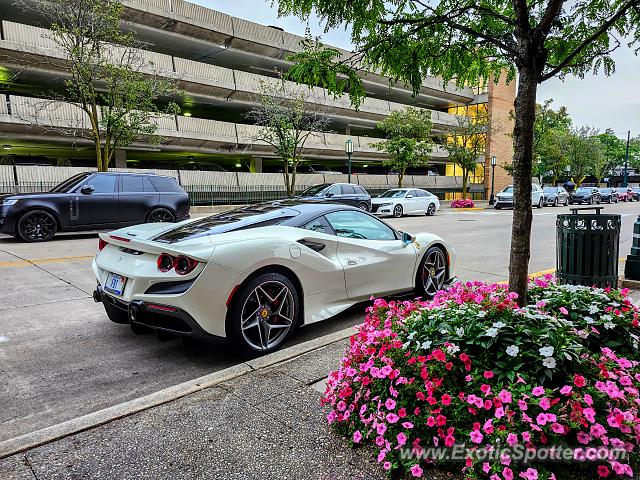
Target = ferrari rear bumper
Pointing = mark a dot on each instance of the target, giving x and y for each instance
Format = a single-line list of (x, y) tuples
[(160, 317)]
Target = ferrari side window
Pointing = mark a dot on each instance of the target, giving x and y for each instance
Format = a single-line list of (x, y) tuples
[(354, 224), (319, 225)]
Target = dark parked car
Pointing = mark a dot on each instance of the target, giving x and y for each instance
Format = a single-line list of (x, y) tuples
[(636, 193), (347, 193), (89, 201), (555, 196), (588, 195), (609, 195)]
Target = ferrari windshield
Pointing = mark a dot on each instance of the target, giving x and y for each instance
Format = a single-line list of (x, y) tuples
[(315, 190), (393, 194), (69, 183)]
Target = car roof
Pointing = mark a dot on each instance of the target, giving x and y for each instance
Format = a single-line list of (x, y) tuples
[(112, 172)]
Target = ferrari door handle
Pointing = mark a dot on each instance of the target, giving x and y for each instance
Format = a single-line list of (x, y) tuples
[(316, 246)]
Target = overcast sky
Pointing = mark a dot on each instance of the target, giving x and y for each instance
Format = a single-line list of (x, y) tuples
[(596, 101)]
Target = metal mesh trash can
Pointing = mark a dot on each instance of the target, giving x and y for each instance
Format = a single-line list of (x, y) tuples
[(587, 248)]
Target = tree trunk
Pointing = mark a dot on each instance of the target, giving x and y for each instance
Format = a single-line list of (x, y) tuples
[(525, 110), (286, 178), (292, 187), (465, 177), (400, 178)]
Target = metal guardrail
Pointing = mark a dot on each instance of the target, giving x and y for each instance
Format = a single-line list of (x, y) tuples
[(236, 194)]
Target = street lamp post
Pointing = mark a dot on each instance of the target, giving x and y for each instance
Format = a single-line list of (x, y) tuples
[(348, 148), (625, 182), (494, 160)]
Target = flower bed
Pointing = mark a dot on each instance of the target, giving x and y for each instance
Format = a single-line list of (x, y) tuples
[(507, 388), (462, 203)]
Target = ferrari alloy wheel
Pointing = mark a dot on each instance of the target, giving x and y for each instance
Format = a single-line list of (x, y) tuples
[(264, 313), (397, 211), (160, 215), (431, 209), (37, 226), (432, 272)]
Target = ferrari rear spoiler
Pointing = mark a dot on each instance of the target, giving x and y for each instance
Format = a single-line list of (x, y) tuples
[(196, 252)]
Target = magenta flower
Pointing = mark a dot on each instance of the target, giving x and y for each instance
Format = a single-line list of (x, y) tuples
[(545, 403), (512, 439), (390, 404), (476, 436), (402, 439), (537, 391), (504, 396), (381, 428), (357, 436), (530, 474), (416, 471), (392, 417), (566, 390), (407, 425), (507, 473), (563, 311)]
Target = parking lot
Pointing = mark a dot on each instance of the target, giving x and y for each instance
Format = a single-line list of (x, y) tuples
[(60, 357)]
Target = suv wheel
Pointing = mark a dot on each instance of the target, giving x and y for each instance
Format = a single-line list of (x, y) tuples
[(36, 226), (363, 206), (160, 215)]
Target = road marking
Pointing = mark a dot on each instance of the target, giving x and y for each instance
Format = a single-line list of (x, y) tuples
[(40, 261)]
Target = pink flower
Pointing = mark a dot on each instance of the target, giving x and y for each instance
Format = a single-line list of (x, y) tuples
[(587, 399), (402, 439), (486, 468), (488, 374), (386, 465), (484, 388), (566, 390), (446, 399), (504, 396), (583, 438), (589, 414), (499, 413), (392, 417), (416, 471), (507, 473), (390, 404), (537, 391), (357, 436), (476, 436), (579, 381), (545, 403), (530, 474), (407, 425), (603, 471), (381, 428), (557, 428), (522, 405), (564, 311), (512, 439)]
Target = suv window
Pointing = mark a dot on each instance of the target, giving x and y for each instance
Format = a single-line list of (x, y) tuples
[(354, 224), (103, 183), (334, 190), (131, 184), (361, 190), (165, 184), (320, 224), (348, 190)]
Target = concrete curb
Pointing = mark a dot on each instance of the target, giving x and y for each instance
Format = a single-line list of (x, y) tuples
[(101, 417)]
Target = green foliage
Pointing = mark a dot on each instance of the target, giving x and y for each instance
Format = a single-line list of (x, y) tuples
[(584, 153), (551, 131), (110, 81), (408, 139)]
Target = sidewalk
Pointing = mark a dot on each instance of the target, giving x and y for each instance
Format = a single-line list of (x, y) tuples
[(263, 424)]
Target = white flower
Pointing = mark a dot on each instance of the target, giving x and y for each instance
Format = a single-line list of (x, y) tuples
[(460, 331), (593, 309), (549, 362), (609, 325), (546, 351), (426, 344), (635, 345), (405, 345), (589, 320), (512, 350), (492, 332), (453, 348), (499, 324), (481, 314), (443, 331), (582, 333), (411, 335), (606, 318)]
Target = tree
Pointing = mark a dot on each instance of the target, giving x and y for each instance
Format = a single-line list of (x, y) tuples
[(584, 154), (108, 79), (465, 141), (287, 119), (614, 150), (471, 43), (408, 139), (550, 132)]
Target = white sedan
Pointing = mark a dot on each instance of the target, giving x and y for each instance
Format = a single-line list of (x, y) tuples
[(405, 201), (255, 273)]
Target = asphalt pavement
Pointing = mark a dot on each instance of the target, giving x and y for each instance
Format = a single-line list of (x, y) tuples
[(62, 358)]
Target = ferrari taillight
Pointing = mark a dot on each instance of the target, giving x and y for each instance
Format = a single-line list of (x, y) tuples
[(184, 265), (165, 262), (101, 244)]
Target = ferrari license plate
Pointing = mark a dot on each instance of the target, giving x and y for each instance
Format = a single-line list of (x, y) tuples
[(115, 283)]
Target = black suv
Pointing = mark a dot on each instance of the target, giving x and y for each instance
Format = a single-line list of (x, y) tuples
[(347, 193), (90, 201)]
